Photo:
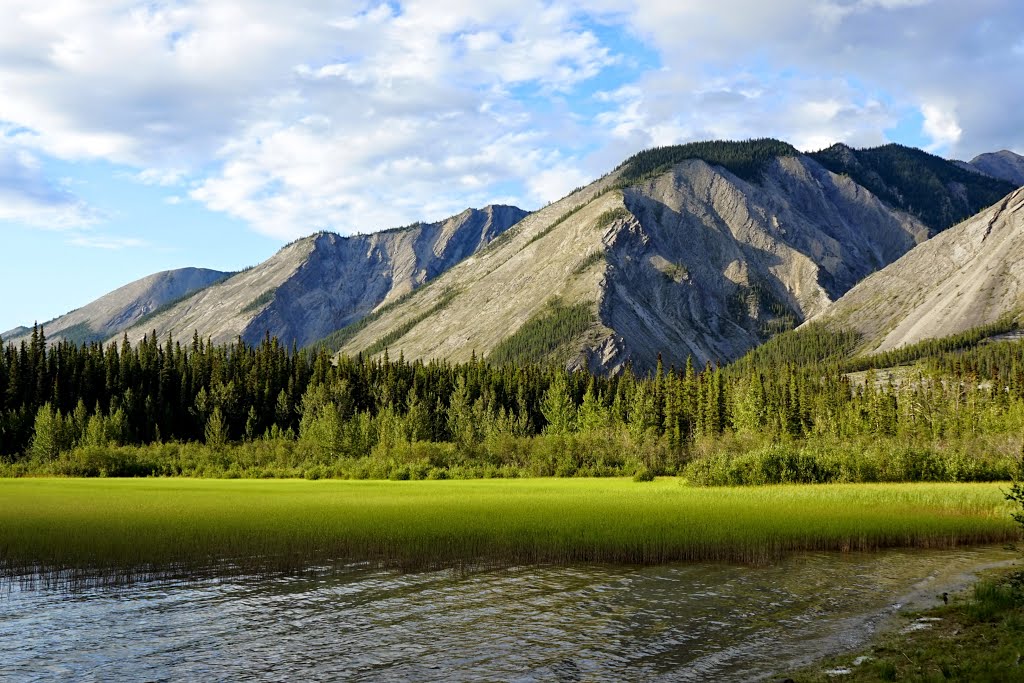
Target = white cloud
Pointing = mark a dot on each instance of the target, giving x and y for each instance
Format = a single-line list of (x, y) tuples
[(160, 176), (554, 183), (810, 113), (299, 115), (899, 54), (356, 116), (940, 124), (29, 197)]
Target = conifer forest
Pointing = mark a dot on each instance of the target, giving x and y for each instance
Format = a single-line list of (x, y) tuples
[(798, 409)]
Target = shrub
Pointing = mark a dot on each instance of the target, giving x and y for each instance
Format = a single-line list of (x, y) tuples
[(644, 475)]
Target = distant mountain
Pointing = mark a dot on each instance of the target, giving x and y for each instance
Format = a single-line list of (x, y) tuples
[(939, 192), (320, 283), (698, 250), (113, 313), (1005, 165), (969, 276)]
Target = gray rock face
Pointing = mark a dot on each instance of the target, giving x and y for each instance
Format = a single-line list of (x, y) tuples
[(695, 262), (1004, 164), (970, 275), (113, 313), (324, 282), (345, 278), (16, 333), (713, 264)]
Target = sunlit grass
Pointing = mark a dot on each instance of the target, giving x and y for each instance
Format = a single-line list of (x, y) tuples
[(115, 529)]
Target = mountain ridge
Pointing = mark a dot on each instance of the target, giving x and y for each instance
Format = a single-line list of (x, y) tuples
[(941, 193), (1002, 164), (115, 311), (696, 262), (325, 281), (701, 250), (967, 277)]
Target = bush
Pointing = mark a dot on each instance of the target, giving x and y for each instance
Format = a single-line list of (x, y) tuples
[(643, 475)]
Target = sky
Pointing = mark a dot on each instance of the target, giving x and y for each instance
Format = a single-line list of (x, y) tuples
[(142, 136)]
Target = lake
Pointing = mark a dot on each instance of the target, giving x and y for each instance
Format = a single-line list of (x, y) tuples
[(676, 622)]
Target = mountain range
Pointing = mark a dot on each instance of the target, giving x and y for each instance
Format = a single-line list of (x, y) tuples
[(702, 250), (309, 288)]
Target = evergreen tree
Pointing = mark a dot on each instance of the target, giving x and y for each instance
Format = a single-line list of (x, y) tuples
[(557, 407), (216, 432), (593, 416)]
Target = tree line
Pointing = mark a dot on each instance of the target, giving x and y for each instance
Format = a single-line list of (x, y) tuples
[(235, 399)]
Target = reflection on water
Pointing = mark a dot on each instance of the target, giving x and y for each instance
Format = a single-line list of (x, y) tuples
[(673, 622)]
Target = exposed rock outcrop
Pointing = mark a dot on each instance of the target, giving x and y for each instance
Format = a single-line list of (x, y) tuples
[(702, 250), (713, 264), (696, 261), (970, 275), (323, 282)]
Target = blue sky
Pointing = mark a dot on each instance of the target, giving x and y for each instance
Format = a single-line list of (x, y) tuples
[(141, 136)]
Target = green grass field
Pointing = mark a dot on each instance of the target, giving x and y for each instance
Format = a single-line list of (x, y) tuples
[(117, 529)]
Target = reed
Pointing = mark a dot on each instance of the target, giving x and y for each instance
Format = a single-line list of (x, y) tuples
[(109, 531)]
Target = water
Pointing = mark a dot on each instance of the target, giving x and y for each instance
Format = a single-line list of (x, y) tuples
[(677, 622)]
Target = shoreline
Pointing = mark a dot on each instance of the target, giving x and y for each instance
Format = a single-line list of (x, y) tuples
[(928, 640)]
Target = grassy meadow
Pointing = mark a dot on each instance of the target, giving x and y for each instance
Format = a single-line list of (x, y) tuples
[(112, 530)]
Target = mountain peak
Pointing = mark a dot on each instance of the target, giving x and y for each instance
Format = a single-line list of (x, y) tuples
[(938, 191), (325, 281), (743, 158), (125, 306), (659, 258), (1003, 164)]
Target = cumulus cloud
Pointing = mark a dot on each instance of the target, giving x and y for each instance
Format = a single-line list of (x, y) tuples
[(893, 57), (810, 113), (940, 124), (303, 115), (356, 116)]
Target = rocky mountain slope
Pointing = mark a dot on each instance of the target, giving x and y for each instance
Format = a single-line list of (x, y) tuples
[(1004, 164), (114, 312), (320, 283), (939, 192), (701, 250), (970, 275), (668, 255)]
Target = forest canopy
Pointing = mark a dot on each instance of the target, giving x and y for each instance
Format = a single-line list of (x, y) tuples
[(796, 409)]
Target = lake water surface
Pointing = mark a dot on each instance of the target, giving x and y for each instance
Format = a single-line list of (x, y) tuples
[(678, 622)]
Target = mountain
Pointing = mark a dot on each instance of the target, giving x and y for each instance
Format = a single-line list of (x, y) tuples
[(1005, 165), (939, 192), (702, 250), (320, 283), (969, 276), (114, 312)]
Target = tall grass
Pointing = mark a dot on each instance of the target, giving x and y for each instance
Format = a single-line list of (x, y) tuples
[(108, 530)]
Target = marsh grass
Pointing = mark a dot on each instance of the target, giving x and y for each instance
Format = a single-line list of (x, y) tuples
[(69, 531)]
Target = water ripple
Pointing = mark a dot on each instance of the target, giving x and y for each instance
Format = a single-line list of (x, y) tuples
[(673, 622)]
